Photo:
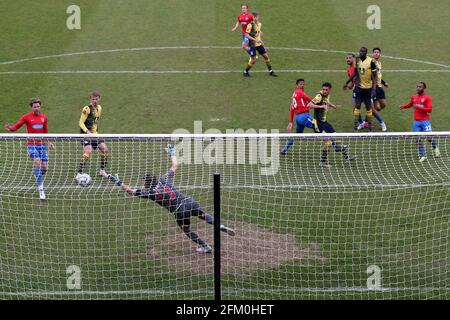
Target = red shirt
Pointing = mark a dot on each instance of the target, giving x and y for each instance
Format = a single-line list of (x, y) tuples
[(35, 124), (244, 19), (422, 106), (299, 103), (350, 72)]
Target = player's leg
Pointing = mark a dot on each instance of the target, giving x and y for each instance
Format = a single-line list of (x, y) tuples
[(35, 154), (87, 153), (198, 211), (418, 126), (369, 114), (357, 108), (244, 43), (324, 156), (379, 104), (104, 152), (299, 128), (309, 122), (262, 51), (183, 217), (434, 144), (251, 63), (44, 167)]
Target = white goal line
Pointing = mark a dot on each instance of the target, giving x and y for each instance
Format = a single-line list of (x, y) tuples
[(237, 291)]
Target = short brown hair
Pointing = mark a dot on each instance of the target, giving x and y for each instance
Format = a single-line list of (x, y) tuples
[(35, 100), (94, 94)]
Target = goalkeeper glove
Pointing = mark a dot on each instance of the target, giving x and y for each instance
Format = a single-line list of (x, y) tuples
[(170, 150), (115, 179)]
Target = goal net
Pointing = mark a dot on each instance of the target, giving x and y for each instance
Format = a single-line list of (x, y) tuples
[(375, 227)]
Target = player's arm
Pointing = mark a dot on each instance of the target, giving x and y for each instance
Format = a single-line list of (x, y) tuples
[(170, 150), (373, 68), (15, 126), (291, 119), (83, 118), (384, 83), (350, 79), (313, 104), (49, 143), (115, 179), (408, 105), (235, 26), (333, 106)]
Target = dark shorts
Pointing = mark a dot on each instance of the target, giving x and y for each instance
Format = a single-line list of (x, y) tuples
[(92, 142), (189, 208), (261, 50), (364, 95), (381, 95), (253, 50), (325, 126)]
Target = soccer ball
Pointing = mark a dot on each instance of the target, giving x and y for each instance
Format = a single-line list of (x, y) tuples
[(84, 179)]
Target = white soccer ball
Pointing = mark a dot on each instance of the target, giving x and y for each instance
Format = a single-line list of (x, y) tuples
[(84, 179)]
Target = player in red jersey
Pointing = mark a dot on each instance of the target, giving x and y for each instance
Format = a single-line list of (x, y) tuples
[(36, 122), (422, 104), (243, 19), (299, 108)]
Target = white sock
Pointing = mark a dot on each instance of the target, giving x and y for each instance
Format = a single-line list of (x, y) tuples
[(41, 187)]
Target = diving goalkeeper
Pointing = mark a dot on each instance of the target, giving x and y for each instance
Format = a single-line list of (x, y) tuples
[(161, 191)]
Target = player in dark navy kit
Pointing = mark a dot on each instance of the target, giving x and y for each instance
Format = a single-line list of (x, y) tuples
[(162, 191)]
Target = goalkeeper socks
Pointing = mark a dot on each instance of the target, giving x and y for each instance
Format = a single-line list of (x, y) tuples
[(38, 175), (194, 237), (434, 145)]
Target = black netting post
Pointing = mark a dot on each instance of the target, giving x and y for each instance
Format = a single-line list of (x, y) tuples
[(217, 267)]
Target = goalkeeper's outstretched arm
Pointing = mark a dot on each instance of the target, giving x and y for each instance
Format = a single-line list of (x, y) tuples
[(123, 186), (171, 153)]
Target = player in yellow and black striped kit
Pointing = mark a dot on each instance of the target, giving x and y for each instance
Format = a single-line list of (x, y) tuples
[(365, 88), (321, 103), (88, 125)]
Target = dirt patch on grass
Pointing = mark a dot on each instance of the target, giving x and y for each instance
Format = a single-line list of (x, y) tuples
[(252, 249)]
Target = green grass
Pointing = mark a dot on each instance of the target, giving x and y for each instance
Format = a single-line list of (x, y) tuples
[(105, 232)]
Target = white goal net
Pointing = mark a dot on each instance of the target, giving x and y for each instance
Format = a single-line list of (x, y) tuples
[(343, 216)]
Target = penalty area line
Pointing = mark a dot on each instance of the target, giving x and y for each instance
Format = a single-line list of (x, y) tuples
[(81, 53)]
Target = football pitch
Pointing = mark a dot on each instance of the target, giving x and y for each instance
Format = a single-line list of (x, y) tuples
[(162, 65)]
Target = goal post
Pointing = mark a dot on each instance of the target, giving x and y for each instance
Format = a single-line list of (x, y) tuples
[(372, 222)]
